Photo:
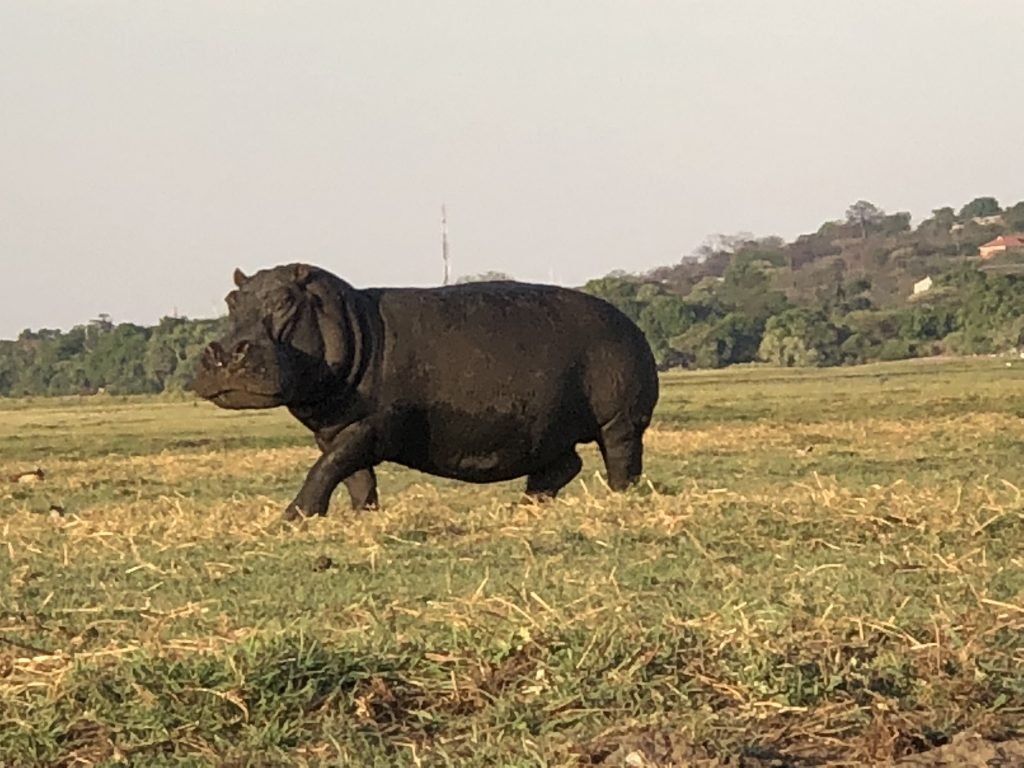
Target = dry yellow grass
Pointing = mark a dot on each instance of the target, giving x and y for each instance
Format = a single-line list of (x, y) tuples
[(850, 603)]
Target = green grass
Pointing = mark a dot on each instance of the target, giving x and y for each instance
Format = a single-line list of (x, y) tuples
[(822, 566)]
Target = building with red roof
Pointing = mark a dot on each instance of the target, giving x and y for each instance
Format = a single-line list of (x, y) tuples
[(1001, 244)]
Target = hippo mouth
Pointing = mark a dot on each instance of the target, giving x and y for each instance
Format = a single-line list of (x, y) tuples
[(237, 392), (238, 399)]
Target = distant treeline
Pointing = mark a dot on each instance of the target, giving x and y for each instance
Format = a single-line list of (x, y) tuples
[(966, 311), (841, 295), (101, 356)]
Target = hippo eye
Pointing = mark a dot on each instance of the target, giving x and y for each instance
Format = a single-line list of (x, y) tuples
[(282, 301), (282, 313)]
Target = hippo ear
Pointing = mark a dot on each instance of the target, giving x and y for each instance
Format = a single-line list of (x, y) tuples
[(303, 274), (340, 343), (240, 278)]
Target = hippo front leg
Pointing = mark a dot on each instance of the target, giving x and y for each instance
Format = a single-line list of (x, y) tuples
[(349, 457), (361, 484)]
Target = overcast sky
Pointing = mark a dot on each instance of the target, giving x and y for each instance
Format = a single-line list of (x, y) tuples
[(148, 148)]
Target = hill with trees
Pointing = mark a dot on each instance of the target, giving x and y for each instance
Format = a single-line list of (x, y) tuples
[(842, 295)]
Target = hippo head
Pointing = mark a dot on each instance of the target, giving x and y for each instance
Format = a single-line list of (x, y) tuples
[(287, 337)]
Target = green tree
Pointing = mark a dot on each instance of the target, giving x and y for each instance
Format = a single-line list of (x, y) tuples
[(70, 378), (725, 341), (1008, 336), (9, 365), (895, 223), (117, 362), (173, 350), (661, 319), (696, 348), (483, 277), (925, 322), (979, 206), (1014, 217), (746, 287), (864, 215), (737, 337), (801, 337), (936, 232), (620, 291), (945, 217)]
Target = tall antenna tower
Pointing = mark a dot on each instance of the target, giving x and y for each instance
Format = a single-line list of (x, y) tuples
[(444, 242)]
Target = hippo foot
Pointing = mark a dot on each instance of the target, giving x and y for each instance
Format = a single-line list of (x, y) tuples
[(295, 511)]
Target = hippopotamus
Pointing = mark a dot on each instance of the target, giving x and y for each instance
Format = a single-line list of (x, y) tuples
[(479, 382)]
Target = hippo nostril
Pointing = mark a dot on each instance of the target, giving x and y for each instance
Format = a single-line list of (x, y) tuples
[(214, 354), (241, 350)]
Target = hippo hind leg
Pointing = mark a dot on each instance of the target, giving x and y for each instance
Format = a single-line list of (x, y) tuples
[(622, 449), (546, 483), (362, 489)]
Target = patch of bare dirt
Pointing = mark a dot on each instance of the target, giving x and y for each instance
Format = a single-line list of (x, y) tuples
[(971, 751), (667, 750)]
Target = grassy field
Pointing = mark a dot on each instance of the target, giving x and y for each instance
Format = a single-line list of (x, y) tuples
[(821, 567)]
